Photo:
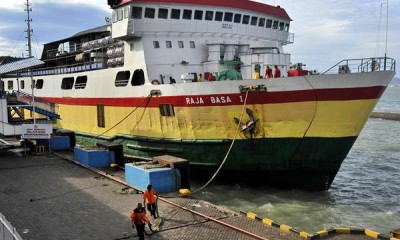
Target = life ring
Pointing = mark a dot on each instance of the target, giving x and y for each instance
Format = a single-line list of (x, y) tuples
[(155, 82)]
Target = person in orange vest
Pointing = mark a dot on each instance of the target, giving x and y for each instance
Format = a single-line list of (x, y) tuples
[(149, 196), (139, 219)]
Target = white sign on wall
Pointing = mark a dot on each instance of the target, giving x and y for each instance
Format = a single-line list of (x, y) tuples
[(36, 131)]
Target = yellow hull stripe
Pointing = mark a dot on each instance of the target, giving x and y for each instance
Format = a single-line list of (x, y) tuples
[(285, 120)]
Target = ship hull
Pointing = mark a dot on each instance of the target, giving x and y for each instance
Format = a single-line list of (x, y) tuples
[(291, 132)]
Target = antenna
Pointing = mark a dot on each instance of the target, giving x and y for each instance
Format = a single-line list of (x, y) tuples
[(387, 26), (28, 29)]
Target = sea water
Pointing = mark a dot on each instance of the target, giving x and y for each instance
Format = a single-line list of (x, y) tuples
[(364, 194)]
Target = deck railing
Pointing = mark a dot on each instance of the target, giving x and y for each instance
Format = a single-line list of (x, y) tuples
[(363, 65)]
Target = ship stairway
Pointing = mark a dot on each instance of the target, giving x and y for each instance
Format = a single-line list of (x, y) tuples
[(19, 99), (4, 145)]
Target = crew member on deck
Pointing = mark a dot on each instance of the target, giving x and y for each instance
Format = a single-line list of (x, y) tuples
[(256, 74), (277, 72), (200, 78), (211, 77), (268, 72)]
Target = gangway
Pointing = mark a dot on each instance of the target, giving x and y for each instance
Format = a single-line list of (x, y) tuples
[(4, 145), (34, 104), (12, 103)]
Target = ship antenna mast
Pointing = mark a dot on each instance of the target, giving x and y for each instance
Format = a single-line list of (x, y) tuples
[(28, 30)]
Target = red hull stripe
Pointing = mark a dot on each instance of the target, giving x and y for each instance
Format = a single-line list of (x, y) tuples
[(339, 94), (239, 4)]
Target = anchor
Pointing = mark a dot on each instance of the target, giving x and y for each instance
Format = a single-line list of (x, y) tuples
[(250, 125)]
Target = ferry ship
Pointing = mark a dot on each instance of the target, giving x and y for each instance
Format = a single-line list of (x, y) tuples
[(176, 77)]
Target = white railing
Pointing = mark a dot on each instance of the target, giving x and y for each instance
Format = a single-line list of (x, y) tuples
[(7, 231), (375, 64)]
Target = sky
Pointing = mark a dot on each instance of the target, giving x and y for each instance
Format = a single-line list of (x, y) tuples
[(325, 31)]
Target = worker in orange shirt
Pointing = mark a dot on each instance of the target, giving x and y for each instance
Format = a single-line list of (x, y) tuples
[(139, 219), (149, 196)]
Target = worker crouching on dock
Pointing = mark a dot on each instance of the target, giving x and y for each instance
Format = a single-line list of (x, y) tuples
[(139, 219), (149, 196)]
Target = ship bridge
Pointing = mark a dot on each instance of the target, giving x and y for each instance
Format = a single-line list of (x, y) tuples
[(239, 19)]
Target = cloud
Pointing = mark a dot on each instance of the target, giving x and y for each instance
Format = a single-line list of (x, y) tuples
[(20, 5)]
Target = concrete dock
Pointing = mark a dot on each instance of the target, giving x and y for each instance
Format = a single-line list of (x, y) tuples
[(47, 197)]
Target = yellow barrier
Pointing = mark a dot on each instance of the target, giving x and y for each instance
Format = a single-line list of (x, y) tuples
[(285, 228), (371, 233), (251, 215), (322, 233), (304, 235), (267, 221)]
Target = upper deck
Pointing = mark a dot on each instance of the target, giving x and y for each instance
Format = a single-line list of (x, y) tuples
[(237, 18)]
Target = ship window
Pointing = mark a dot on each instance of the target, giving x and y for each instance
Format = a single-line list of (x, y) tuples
[(237, 18), (187, 14), (228, 17), (168, 44), (198, 15), (138, 78), (269, 23), (149, 13), (22, 84), (100, 116), (38, 84), (218, 16), (167, 110), (192, 45), (120, 14), (136, 12), (1, 85), (126, 12), (246, 19), (275, 25), (114, 17), (180, 44), (287, 27), (209, 15), (156, 44), (175, 13), (67, 83), (10, 85), (281, 26), (80, 82), (253, 21), (163, 13), (261, 22)]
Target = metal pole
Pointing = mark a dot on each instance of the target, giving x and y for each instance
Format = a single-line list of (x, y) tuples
[(387, 24), (387, 28), (28, 30)]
